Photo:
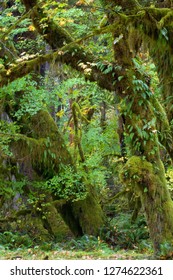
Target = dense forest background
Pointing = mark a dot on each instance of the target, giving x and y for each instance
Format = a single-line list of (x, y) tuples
[(86, 125)]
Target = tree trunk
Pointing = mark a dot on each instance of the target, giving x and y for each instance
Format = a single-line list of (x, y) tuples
[(44, 136), (147, 180), (144, 171)]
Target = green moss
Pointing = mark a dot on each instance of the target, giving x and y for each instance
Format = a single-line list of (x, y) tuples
[(143, 176), (90, 214), (147, 180), (58, 227), (168, 207), (34, 227), (46, 153), (135, 169), (45, 149)]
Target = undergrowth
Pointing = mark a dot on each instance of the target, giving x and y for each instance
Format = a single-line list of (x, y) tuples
[(121, 240)]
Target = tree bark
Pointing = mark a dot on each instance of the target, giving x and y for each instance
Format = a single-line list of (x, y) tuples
[(144, 171), (139, 113), (79, 214)]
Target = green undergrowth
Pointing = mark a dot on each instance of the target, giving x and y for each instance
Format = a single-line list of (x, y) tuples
[(122, 239), (86, 247), (126, 234)]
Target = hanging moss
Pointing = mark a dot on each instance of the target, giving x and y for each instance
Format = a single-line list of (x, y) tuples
[(148, 181), (45, 149)]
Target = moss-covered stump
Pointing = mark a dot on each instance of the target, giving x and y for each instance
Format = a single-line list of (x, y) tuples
[(148, 181)]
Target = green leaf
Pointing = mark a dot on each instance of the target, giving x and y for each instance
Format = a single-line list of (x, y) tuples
[(164, 32), (120, 78)]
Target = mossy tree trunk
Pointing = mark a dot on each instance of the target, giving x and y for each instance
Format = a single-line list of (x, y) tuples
[(144, 171), (150, 183), (148, 179), (46, 151), (154, 29)]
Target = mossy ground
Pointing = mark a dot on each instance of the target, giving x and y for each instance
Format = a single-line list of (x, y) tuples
[(61, 254)]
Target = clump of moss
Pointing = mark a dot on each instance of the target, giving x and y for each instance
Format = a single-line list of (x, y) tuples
[(137, 171), (143, 177)]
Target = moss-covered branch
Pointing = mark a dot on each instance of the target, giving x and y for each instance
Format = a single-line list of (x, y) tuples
[(73, 55)]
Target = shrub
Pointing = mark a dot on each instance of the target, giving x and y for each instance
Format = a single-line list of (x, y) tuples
[(123, 234), (10, 240)]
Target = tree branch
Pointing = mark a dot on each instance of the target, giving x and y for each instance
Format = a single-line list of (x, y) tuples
[(72, 55)]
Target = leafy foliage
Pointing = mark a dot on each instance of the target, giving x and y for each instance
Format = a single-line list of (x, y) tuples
[(125, 234), (9, 240), (91, 130), (169, 178), (7, 131), (67, 185)]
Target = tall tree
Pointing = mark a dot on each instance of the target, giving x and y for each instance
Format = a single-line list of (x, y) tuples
[(144, 171), (42, 152)]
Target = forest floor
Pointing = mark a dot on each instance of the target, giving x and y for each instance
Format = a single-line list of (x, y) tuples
[(61, 254), (14, 246)]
